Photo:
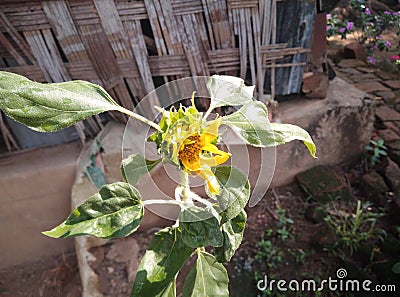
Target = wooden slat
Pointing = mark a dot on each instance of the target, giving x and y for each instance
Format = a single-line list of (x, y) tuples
[(19, 41), (104, 42), (114, 30), (9, 47), (131, 10), (65, 30), (8, 137), (140, 53), (242, 43), (258, 56), (24, 16), (46, 55)]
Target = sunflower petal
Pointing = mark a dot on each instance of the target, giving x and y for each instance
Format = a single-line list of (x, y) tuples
[(212, 183), (192, 166), (213, 127)]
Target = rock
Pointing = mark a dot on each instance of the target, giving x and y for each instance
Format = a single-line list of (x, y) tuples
[(371, 86), (385, 113), (132, 266), (388, 135), (315, 86), (395, 126), (315, 213), (393, 84), (354, 50), (122, 250), (374, 187), (387, 96), (350, 71), (326, 239), (367, 69), (395, 156), (351, 63), (126, 251), (324, 184), (387, 66), (391, 245), (363, 77), (392, 174), (386, 75), (395, 145), (384, 271), (98, 253), (394, 209)]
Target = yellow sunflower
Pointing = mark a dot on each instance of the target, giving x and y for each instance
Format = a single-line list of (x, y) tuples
[(198, 154)]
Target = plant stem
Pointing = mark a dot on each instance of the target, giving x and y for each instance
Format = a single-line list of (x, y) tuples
[(208, 112), (140, 118), (196, 197), (185, 185), (161, 201)]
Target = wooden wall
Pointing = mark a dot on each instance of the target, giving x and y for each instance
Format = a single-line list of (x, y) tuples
[(131, 47)]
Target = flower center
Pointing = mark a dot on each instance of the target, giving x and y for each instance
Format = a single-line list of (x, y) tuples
[(191, 149)]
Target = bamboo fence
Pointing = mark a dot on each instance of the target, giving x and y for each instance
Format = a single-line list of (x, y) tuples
[(131, 47)]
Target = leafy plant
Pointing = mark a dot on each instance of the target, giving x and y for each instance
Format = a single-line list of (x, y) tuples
[(377, 149), (367, 26), (184, 138), (284, 226), (354, 228), (270, 252), (396, 61)]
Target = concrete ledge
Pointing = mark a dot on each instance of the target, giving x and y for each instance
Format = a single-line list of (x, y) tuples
[(341, 126), (35, 194)]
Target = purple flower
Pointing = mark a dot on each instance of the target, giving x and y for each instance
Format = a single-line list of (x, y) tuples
[(378, 37), (386, 12), (349, 26), (367, 11), (396, 13), (342, 30), (374, 47), (328, 28), (388, 44), (371, 60), (328, 16), (371, 24)]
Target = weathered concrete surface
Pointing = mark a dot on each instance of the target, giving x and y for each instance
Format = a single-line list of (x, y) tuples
[(341, 126), (35, 194)]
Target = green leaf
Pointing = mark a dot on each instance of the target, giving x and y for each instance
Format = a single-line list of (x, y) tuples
[(233, 235), (199, 227), (251, 123), (234, 192), (284, 133), (51, 107), (116, 211), (135, 166), (208, 278), (170, 291), (228, 90), (160, 264)]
